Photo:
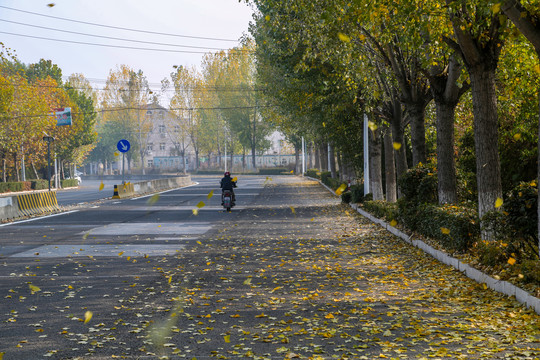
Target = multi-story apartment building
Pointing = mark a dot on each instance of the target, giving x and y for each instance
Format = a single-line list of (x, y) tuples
[(166, 140)]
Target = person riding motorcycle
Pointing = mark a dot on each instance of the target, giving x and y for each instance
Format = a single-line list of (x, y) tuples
[(227, 183)]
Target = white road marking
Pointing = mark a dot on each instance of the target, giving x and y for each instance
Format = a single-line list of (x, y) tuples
[(150, 229), (54, 251), (38, 218)]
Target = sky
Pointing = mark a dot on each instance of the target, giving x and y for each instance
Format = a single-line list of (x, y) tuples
[(220, 22)]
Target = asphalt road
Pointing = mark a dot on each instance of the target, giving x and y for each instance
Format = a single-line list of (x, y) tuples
[(56, 268), (290, 273)]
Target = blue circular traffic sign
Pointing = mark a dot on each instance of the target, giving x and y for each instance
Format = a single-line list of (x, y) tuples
[(123, 146)]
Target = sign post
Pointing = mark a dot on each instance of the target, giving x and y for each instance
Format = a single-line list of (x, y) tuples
[(123, 146)]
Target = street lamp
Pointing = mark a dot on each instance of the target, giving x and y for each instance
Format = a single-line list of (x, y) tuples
[(48, 139)]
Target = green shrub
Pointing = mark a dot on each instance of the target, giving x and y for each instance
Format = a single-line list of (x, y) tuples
[(69, 183), (381, 209), (273, 171), (39, 184), (314, 173), (324, 176), (491, 253), (456, 227), (516, 225), (368, 197), (346, 197), (11, 187), (531, 270), (419, 185), (357, 192)]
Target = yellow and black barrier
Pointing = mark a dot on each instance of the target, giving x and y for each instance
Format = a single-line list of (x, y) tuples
[(37, 203), (123, 191)]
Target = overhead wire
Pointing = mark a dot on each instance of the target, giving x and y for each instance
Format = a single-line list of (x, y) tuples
[(118, 27), (152, 109), (113, 38)]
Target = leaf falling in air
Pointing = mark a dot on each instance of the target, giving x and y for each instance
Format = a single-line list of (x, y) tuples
[(210, 194), (293, 210), (152, 200), (120, 253), (393, 222), (101, 186), (235, 179), (396, 146), (341, 189), (247, 281), (195, 211), (227, 338), (445, 231), (200, 205), (517, 136), (496, 8), (372, 126), (2, 355), (49, 5), (498, 203), (87, 316), (116, 153), (33, 288), (511, 261)]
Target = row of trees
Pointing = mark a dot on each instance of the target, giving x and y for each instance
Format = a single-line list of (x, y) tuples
[(28, 96), (428, 73), (214, 108)]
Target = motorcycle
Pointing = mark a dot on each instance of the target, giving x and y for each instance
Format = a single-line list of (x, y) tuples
[(227, 200)]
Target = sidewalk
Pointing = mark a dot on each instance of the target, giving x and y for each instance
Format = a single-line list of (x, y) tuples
[(301, 276)]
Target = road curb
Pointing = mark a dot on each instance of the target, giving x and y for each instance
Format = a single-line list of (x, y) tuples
[(499, 286)]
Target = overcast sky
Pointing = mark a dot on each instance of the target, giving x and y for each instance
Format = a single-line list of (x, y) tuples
[(211, 19)]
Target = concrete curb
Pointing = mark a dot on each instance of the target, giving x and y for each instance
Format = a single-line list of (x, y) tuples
[(27, 204), (500, 286)]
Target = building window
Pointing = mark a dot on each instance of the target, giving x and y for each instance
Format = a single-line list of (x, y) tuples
[(150, 147), (150, 163), (176, 128), (161, 146), (161, 129)]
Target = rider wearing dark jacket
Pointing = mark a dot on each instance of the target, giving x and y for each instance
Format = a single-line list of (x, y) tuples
[(227, 183)]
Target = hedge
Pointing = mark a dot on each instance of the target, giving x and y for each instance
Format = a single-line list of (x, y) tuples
[(274, 171), (11, 186), (69, 183)]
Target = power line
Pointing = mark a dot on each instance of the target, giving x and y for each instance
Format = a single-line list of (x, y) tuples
[(104, 45), (117, 27), (151, 109), (110, 37)]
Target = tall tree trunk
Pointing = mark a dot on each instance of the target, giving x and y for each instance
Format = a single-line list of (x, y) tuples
[(298, 165), (446, 168), (486, 135), (399, 139), (323, 151), (16, 167), (332, 158), (35, 170), (375, 165), (317, 157), (418, 133), (446, 94), (389, 167)]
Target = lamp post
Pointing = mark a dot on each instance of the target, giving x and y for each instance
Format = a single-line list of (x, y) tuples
[(48, 139)]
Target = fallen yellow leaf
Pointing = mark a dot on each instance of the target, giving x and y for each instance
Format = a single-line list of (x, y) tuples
[(33, 288), (227, 338), (393, 222), (511, 261), (153, 199), (445, 231)]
